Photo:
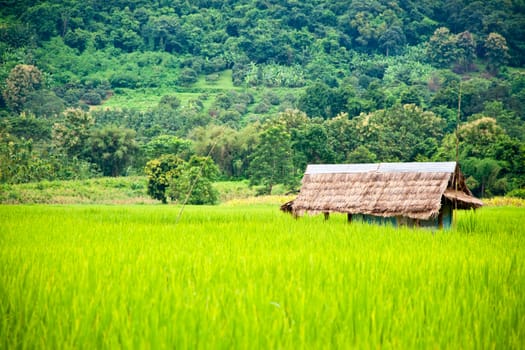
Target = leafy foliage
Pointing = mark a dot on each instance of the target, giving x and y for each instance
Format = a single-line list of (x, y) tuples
[(112, 149), (271, 162), (337, 75), (400, 133), (186, 182), (71, 136), (159, 171), (193, 185), (22, 81)]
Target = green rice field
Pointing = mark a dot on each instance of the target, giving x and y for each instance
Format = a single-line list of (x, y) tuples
[(246, 276)]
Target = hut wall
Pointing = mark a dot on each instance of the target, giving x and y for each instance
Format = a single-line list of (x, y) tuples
[(443, 220), (371, 219)]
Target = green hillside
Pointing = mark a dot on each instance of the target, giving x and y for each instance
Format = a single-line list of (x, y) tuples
[(263, 87)]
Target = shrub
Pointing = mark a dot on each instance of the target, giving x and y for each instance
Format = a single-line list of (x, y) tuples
[(124, 80), (92, 98), (517, 193)]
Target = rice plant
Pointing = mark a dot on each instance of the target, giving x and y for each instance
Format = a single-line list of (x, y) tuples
[(248, 276)]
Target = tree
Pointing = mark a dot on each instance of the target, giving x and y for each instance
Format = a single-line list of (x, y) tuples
[(44, 18), (165, 33), (19, 162), (228, 147), (44, 103), (361, 154), (466, 50), (112, 149), (187, 77), (28, 126), (77, 39), (477, 137), (171, 101), (392, 39), (315, 100), (73, 133), (167, 144), (484, 173), (194, 183), (442, 47), (496, 51), (400, 133), (271, 162), (319, 100), (341, 136), (312, 143), (160, 172), (22, 81), (15, 34)]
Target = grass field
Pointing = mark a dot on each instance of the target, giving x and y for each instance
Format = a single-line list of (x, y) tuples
[(115, 190), (247, 276)]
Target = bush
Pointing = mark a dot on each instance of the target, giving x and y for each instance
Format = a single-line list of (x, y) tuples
[(194, 185), (171, 101), (159, 173), (71, 96), (212, 78), (92, 98), (124, 80), (187, 77), (517, 193)]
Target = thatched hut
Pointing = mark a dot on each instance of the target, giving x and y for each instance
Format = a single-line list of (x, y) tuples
[(413, 194)]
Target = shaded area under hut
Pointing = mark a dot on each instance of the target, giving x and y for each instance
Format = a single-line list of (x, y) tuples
[(412, 194)]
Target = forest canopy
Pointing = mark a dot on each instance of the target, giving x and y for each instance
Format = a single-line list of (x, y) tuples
[(93, 88)]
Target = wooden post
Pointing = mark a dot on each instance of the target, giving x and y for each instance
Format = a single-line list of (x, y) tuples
[(440, 219), (326, 215), (349, 218)]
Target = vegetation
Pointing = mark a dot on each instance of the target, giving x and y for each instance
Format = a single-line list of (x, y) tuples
[(89, 89), (249, 276), (107, 190), (122, 190)]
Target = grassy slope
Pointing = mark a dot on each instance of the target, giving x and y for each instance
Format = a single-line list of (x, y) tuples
[(122, 190), (147, 98), (247, 276), (132, 190)]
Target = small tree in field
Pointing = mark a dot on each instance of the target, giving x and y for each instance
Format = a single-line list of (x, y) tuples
[(186, 182), (194, 183), (160, 173)]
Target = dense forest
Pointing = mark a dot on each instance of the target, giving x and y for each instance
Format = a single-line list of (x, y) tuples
[(257, 89)]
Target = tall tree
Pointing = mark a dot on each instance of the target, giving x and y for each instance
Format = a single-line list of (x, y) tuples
[(194, 183), (112, 149), (482, 175), (160, 172), (271, 162), (392, 39), (496, 51), (400, 133), (72, 134), (442, 47), (23, 80), (341, 136), (466, 50)]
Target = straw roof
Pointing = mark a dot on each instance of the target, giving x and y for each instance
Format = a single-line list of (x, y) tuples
[(414, 190)]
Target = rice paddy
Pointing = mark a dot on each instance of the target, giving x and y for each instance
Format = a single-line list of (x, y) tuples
[(249, 276)]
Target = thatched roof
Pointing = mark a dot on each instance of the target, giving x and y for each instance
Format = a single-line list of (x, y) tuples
[(414, 190)]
